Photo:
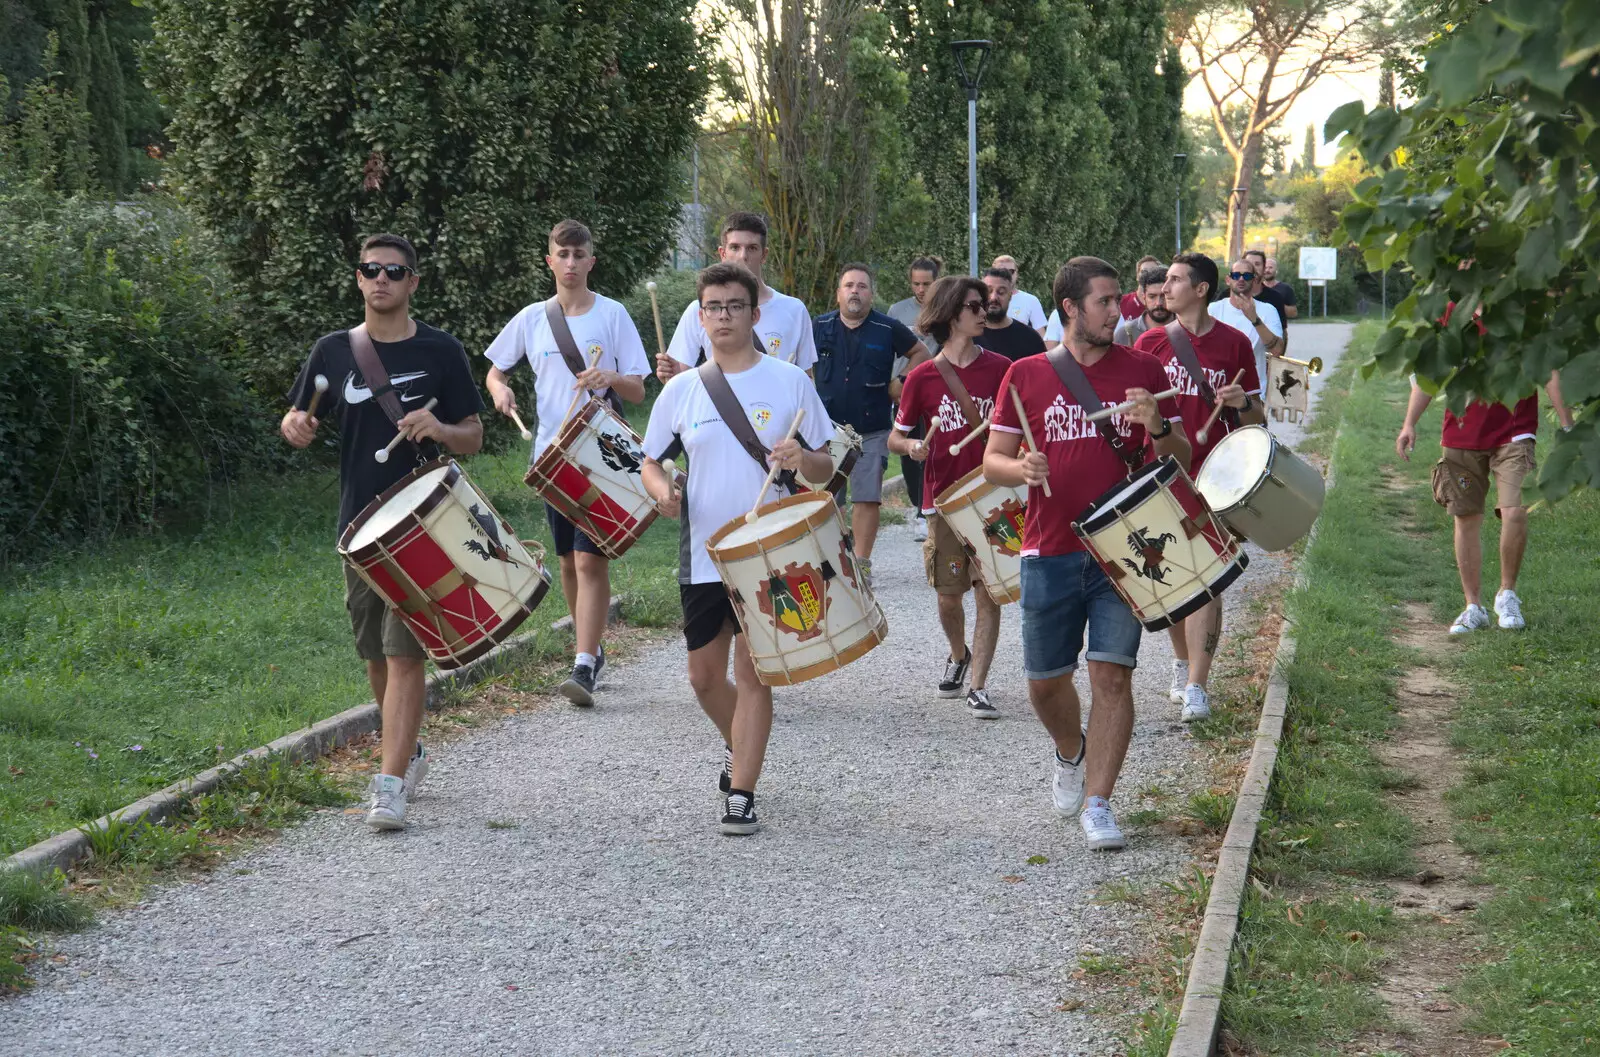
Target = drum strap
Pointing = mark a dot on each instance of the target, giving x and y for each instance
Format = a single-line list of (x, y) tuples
[(372, 372), (1183, 348), (569, 350), (755, 339), (952, 381), (738, 421), (1070, 371)]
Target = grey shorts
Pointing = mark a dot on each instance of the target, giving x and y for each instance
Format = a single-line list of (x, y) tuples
[(866, 480), (379, 633)]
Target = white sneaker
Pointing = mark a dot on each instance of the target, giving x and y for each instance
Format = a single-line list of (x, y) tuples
[(388, 810), (1180, 679), (1100, 826), (1509, 609), (1472, 618), (919, 527), (1067, 789), (1196, 703), (416, 771)]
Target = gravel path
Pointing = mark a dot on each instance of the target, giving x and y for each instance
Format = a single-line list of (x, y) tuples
[(888, 906)]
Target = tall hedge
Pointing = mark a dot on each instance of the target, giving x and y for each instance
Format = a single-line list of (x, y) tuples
[(469, 126)]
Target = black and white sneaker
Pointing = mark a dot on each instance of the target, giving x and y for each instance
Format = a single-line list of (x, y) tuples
[(955, 676), (978, 704), (725, 779), (599, 662), (739, 819), (579, 687)]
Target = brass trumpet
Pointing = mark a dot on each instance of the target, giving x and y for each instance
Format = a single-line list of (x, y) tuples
[(1314, 365)]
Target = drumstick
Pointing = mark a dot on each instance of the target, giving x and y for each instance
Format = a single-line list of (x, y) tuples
[(772, 472), (1027, 430), (581, 391), (1201, 436), (383, 454), (955, 449), (1128, 405), (655, 310), (526, 435), (321, 384)]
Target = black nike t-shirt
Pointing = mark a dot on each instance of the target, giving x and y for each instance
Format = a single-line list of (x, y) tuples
[(428, 364)]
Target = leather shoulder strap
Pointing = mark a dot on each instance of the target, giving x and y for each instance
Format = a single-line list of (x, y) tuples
[(755, 339), (1070, 371), (569, 349), (377, 379), (733, 416), (952, 381), (1183, 348)]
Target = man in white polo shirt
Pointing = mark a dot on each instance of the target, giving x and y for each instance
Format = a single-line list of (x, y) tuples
[(1256, 320)]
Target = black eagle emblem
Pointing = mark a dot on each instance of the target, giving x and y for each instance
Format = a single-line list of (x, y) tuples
[(494, 549), (1151, 551), (619, 454)]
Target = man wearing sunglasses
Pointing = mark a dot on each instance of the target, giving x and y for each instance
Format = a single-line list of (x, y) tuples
[(423, 363), (1256, 320)]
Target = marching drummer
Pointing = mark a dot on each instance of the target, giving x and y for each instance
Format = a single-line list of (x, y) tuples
[(953, 316), (1223, 354), (423, 364), (1064, 590), (724, 479), (610, 356)]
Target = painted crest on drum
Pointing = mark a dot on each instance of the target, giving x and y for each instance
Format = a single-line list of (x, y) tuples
[(1151, 551), (619, 453), (794, 600), (494, 550), (1003, 525)]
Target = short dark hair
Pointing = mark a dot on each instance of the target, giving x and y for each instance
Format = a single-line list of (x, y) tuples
[(856, 266), (927, 264), (1000, 273), (393, 242), (726, 273), (1202, 269), (1256, 253), (1139, 264), (944, 304), (570, 233), (1151, 274), (1072, 281), (754, 223)]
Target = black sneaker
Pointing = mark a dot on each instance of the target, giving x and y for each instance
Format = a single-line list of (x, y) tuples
[(725, 779), (978, 704), (740, 817), (955, 676), (579, 687), (599, 663)]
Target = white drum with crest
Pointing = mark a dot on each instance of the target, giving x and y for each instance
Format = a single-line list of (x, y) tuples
[(988, 518)]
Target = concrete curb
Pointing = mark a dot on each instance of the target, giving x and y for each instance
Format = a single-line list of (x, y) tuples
[(67, 847)]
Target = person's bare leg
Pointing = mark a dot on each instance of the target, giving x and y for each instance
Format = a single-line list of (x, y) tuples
[(569, 584), (953, 619), (1203, 630), (985, 635), (1469, 556), (864, 518), (378, 679), (402, 712), (1055, 702), (752, 720), (1179, 635), (1110, 726), (1513, 542), (708, 677), (593, 577)]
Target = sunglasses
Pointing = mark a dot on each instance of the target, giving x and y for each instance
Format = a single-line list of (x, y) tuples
[(395, 272), (973, 306), (1236, 276)]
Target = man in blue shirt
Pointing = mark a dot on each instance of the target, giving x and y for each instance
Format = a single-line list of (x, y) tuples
[(856, 350)]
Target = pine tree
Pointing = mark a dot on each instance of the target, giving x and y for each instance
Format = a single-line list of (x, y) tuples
[(1308, 153), (72, 30), (107, 102)]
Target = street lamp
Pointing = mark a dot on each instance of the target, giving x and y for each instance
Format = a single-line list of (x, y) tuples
[(1178, 163), (978, 52)]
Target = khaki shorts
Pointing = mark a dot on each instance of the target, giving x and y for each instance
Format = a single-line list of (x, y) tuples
[(1461, 478), (951, 571), (379, 633)]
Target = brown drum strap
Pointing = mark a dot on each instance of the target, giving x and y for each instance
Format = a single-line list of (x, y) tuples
[(952, 381), (737, 420), (372, 372), (1183, 348), (569, 350), (1070, 371)]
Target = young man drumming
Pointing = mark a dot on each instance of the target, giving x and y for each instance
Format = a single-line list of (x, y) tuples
[(422, 363), (1063, 587), (1222, 354), (605, 339), (723, 482), (954, 316)]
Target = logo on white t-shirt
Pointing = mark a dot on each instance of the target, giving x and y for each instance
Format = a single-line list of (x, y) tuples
[(596, 350), (761, 414), (774, 343)]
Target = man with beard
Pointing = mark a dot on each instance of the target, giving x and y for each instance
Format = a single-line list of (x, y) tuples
[(856, 352), (1152, 295), (1256, 320), (1002, 333), (1024, 306), (1285, 292)]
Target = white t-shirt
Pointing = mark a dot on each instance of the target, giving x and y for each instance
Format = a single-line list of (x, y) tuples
[(723, 478), (1224, 312), (606, 327), (1026, 308), (1052, 329), (784, 330)]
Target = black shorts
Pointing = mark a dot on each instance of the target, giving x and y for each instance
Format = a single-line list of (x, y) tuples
[(567, 536), (707, 609)]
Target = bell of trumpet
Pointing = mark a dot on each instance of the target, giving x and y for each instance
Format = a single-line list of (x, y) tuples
[(1314, 365)]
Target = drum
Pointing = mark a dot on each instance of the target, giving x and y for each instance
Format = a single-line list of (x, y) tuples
[(448, 564), (1157, 541), (1260, 489), (591, 474), (988, 518), (792, 578), (845, 451)]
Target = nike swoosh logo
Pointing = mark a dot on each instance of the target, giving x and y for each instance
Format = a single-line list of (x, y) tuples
[(356, 394)]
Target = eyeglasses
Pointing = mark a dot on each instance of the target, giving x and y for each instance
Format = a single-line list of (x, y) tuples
[(1236, 276), (717, 308), (372, 269), (973, 306)]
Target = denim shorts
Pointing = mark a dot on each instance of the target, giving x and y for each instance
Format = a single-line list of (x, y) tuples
[(1061, 594)]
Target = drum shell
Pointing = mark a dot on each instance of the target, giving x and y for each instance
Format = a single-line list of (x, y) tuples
[(608, 503), (1284, 503), (971, 512), (845, 451), (810, 561), (458, 604)]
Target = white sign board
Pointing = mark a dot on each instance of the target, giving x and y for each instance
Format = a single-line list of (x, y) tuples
[(1319, 262)]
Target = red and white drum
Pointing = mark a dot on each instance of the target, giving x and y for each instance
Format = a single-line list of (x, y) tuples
[(591, 474), (792, 577), (988, 518), (448, 564), (1157, 541)]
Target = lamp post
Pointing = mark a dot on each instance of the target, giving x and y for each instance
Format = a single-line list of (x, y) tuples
[(1178, 163), (978, 50)]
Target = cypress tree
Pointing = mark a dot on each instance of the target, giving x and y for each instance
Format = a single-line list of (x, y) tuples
[(107, 101), (72, 30), (1308, 153)]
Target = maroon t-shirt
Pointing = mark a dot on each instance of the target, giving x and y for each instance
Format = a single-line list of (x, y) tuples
[(1132, 307), (925, 398), (1485, 426), (1223, 352)]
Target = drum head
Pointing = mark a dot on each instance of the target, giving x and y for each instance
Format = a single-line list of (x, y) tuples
[(1234, 468), (397, 506), (1127, 495), (774, 520)]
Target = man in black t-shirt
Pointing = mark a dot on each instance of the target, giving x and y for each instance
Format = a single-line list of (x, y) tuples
[(1011, 338), (423, 363), (1284, 291)]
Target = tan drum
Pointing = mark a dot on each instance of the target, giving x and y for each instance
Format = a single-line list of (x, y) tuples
[(1164, 552), (792, 578), (988, 518), (845, 451), (434, 548), (1260, 489), (591, 474)]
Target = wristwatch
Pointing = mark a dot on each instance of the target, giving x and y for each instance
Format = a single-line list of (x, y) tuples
[(1248, 403), (1166, 428)]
